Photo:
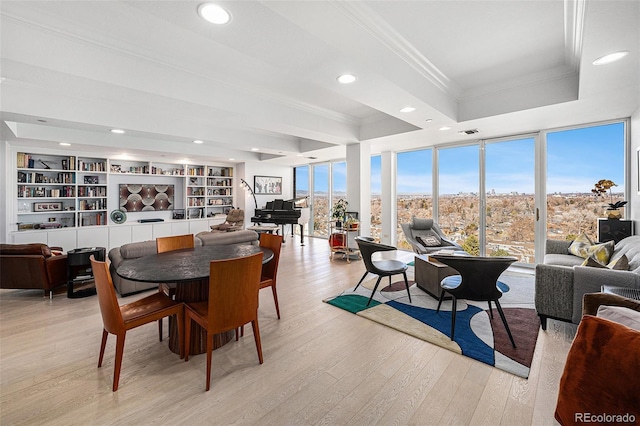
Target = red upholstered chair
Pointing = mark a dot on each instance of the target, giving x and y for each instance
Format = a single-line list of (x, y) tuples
[(119, 319)]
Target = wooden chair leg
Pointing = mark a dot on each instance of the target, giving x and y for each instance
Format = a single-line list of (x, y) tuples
[(504, 321), (454, 310), (209, 355), (180, 320), (187, 336), (118, 364), (160, 329), (275, 299), (406, 284), (256, 335), (103, 345), (374, 290), (360, 282)]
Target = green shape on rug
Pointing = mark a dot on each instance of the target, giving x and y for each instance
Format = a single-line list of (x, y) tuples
[(352, 303)]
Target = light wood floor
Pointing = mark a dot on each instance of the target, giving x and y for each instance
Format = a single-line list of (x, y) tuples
[(322, 365)]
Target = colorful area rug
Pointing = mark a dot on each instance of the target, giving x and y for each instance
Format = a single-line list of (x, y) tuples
[(477, 335)]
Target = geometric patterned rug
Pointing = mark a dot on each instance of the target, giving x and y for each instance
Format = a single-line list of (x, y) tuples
[(477, 335)]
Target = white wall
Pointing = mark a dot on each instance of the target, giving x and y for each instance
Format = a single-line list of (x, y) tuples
[(247, 171), (4, 170)]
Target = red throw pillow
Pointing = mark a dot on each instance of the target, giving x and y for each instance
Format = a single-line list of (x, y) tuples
[(601, 378)]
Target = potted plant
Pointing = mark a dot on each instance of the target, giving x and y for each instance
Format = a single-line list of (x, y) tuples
[(600, 189), (339, 211)]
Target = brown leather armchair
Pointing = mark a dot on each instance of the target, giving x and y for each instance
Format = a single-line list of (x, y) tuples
[(233, 222), (25, 266)]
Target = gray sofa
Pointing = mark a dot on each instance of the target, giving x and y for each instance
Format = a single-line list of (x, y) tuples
[(134, 250), (561, 281)]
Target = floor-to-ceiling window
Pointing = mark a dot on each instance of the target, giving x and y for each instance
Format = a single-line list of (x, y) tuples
[(300, 181), (458, 195), (414, 189), (576, 160), (376, 197), (510, 198), (320, 203), (338, 182)]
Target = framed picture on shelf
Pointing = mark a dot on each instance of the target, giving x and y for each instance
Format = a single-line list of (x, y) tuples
[(92, 180), (267, 185), (47, 207)]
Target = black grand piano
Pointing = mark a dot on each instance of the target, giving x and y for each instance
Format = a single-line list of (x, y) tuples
[(285, 212)]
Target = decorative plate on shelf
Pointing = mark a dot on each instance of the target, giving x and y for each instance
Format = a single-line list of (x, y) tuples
[(118, 216)]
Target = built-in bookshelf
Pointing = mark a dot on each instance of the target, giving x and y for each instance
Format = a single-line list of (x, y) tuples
[(62, 191), (219, 190)]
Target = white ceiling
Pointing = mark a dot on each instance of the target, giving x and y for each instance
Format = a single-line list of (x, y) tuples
[(72, 70)]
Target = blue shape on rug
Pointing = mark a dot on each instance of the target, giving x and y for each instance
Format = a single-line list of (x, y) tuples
[(471, 345)]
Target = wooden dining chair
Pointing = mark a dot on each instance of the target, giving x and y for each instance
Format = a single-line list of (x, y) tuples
[(164, 244), (233, 301), (118, 319), (270, 269)]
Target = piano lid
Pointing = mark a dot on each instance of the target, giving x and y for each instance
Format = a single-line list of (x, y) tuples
[(300, 202)]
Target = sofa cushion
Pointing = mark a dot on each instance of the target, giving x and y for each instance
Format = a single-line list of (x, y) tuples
[(619, 264), (599, 373), (221, 238), (619, 314), (25, 249), (630, 247), (135, 250), (562, 260)]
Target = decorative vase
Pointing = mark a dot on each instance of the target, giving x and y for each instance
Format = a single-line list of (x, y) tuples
[(614, 214)]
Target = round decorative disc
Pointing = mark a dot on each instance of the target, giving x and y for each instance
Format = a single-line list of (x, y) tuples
[(118, 216)]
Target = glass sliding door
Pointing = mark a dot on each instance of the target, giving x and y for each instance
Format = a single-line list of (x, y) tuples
[(300, 181), (576, 160), (510, 213), (458, 195), (338, 182), (320, 204), (414, 189)]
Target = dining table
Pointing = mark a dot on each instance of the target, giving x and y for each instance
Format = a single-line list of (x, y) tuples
[(189, 270)]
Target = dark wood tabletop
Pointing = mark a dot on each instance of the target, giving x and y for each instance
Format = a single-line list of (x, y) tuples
[(184, 265)]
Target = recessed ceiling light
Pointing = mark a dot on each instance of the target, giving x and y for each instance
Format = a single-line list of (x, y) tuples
[(445, 128), (611, 57), (429, 120), (408, 109), (65, 144), (41, 120), (232, 159), (255, 149), (299, 155), (346, 78), (198, 141), (118, 131), (213, 13)]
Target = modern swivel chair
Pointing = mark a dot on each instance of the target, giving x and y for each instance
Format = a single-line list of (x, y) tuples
[(233, 222), (233, 301), (119, 319), (478, 281), (164, 244), (381, 268), (433, 239)]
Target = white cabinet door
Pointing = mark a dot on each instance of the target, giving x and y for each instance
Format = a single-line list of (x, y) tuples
[(161, 229), (196, 226), (141, 233), (180, 228), (65, 238), (119, 235), (93, 237), (28, 237)]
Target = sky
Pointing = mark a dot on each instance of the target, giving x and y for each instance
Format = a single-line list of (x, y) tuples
[(576, 160)]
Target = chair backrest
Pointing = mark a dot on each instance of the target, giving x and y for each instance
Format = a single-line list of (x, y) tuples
[(176, 242), (109, 308), (235, 217), (479, 274), (233, 292), (367, 247), (273, 242)]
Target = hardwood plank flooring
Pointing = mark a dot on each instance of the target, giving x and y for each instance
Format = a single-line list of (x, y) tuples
[(322, 365)]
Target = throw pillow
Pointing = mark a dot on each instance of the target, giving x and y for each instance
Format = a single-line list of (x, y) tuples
[(591, 261), (430, 240), (579, 246), (624, 316), (621, 263), (599, 373)]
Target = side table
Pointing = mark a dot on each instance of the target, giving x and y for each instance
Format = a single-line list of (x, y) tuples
[(79, 269), (430, 273)]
